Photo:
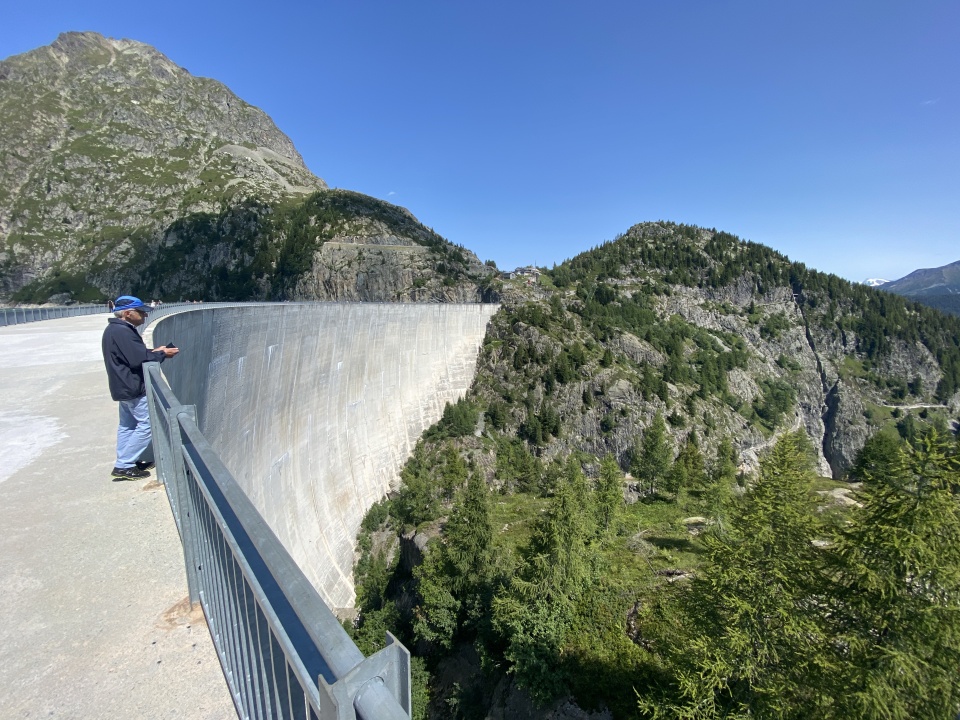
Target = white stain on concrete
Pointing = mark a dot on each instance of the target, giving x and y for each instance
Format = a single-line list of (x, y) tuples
[(29, 347), (23, 438)]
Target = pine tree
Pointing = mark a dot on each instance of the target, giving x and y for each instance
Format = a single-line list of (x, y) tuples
[(469, 537), (416, 502), (516, 465), (878, 455), (898, 592), (687, 470), (751, 621), (454, 578), (436, 616), (534, 613), (609, 496), (454, 471), (653, 455), (719, 483)]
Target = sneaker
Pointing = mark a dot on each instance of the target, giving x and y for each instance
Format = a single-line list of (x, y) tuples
[(133, 473), (145, 465)]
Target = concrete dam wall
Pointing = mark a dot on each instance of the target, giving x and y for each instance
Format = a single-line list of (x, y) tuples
[(315, 407)]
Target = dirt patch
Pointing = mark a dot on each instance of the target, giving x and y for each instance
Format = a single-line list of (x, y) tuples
[(181, 615), (152, 485)]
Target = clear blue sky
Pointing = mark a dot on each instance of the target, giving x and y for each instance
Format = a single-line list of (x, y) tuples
[(531, 131)]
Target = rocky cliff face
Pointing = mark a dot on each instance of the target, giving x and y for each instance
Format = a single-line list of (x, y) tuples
[(380, 273), (331, 245), (607, 409), (106, 142), (373, 262)]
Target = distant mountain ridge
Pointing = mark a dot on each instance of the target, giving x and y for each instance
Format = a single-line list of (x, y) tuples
[(937, 287), (928, 281)]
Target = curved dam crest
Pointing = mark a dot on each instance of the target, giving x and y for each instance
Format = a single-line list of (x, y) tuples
[(315, 408)]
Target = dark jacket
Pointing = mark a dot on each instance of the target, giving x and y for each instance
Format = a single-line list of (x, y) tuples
[(124, 355)]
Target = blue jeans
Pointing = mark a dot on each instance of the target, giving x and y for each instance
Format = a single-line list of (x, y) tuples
[(133, 435)]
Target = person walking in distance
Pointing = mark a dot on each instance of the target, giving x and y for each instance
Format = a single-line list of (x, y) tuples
[(124, 354)]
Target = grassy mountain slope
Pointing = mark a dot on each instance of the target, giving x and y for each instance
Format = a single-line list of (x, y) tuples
[(928, 281), (107, 140)]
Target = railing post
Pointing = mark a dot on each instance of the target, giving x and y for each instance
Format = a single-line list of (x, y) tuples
[(376, 689)]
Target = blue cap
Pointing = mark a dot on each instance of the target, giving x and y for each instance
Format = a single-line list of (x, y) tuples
[(129, 302)]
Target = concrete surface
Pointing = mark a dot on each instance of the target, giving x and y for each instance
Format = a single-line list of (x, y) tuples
[(315, 407), (93, 618)]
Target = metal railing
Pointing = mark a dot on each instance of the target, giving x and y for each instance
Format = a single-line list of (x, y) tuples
[(19, 315), (283, 653)]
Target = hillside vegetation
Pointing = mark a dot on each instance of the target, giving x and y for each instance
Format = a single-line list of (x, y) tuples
[(331, 245), (630, 503)]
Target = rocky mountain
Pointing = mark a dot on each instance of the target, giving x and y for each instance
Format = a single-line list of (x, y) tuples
[(331, 245), (724, 338), (937, 287), (928, 281), (122, 172)]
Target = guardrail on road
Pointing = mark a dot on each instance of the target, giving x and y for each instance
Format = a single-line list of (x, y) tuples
[(283, 653)]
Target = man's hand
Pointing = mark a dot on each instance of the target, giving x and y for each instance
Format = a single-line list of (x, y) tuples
[(168, 351)]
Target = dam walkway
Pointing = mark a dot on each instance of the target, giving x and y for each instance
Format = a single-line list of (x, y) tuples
[(281, 425), (94, 617)]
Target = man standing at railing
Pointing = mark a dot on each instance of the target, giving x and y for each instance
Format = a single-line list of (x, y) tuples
[(124, 354)]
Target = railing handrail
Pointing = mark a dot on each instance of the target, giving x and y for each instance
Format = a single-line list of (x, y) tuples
[(19, 314), (336, 680)]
